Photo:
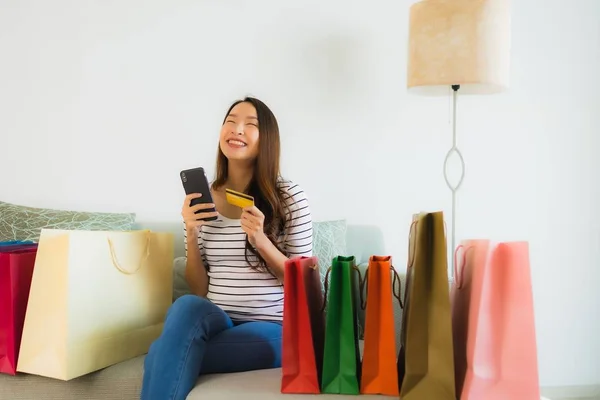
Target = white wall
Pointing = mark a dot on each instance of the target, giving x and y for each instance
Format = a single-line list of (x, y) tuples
[(102, 103)]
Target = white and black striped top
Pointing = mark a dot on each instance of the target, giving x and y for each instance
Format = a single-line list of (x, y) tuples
[(246, 294)]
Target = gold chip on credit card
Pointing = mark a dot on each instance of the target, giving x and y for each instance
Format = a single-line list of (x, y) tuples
[(238, 199)]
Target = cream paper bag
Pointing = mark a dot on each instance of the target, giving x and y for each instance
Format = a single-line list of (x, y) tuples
[(97, 298)]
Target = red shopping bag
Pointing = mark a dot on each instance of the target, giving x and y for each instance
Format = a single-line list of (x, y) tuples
[(303, 327), (16, 270), (493, 323)]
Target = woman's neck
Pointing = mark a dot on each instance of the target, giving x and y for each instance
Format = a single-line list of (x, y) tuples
[(239, 176)]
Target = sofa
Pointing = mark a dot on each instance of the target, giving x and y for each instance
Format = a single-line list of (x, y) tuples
[(123, 380)]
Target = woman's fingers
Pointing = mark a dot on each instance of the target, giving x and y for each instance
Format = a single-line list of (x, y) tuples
[(250, 220), (188, 199), (191, 216), (187, 211), (202, 206), (208, 214), (253, 210), (193, 196), (248, 226)]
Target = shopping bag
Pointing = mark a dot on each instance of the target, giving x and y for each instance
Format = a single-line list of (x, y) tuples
[(16, 269), (303, 327), (97, 298), (341, 360), (426, 360), (379, 375), (494, 324), (460, 302), (412, 234)]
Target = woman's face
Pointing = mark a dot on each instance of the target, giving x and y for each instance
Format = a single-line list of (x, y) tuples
[(239, 133)]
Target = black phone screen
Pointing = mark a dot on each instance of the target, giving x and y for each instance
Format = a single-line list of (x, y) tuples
[(194, 181)]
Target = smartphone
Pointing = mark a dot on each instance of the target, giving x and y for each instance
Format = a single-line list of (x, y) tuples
[(194, 181)]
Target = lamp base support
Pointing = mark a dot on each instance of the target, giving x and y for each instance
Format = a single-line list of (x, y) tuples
[(453, 187)]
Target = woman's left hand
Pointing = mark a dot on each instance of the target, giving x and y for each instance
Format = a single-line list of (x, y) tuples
[(253, 224)]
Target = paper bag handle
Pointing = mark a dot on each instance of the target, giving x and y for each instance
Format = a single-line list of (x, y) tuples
[(365, 288), (414, 247), (326, 286), (458, 270), (143, 257), (399, 294), (412, 253)]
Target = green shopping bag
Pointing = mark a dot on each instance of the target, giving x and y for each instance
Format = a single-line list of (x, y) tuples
[(341, 361)]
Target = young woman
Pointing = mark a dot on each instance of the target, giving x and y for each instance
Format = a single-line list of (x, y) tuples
[(235, 264)]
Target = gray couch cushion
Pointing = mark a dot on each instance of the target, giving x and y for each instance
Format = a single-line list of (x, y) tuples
[(259, 385), (119, 382), (123, 382)]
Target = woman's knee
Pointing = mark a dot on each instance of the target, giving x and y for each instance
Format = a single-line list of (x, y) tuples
[(187, 309), (191, 302)]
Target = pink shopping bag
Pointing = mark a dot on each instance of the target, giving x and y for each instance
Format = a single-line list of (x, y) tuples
[(493, 322), (16, 270)]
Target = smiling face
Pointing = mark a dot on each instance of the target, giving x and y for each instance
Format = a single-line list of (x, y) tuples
[(250, 137), (240, 134)]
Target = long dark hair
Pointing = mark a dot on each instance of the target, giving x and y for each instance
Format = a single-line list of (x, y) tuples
[(263, 186)]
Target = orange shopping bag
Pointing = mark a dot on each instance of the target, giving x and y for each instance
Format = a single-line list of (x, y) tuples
[(379, 373), (493, 323)]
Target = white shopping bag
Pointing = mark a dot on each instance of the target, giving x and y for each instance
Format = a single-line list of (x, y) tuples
[(97, 298)]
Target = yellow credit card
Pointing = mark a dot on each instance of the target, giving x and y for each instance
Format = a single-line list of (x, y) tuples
[(238, 199)]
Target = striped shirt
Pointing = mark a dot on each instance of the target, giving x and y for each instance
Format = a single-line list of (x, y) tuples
[(243, 293)]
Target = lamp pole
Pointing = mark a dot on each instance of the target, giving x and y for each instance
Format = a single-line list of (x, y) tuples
[(453, 187)]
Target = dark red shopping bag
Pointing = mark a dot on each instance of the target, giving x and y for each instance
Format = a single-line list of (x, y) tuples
[(303, 327), (16, 270)]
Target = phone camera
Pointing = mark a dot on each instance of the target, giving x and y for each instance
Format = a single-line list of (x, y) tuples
[(183, 177)]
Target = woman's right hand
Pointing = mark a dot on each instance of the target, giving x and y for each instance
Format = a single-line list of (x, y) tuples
[(192, 220)]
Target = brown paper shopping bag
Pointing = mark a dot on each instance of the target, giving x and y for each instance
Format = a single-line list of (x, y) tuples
[(97, 298), (426, 361)]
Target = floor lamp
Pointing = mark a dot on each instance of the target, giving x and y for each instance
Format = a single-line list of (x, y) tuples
[(462, 46)]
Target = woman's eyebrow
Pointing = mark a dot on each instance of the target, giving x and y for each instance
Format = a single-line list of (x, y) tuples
[(248, 117)]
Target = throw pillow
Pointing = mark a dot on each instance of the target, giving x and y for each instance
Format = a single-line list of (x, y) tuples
[(180, 285), (25, 223), (329, 241)]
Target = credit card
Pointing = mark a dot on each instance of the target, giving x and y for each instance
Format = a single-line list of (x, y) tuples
[(238, 199)]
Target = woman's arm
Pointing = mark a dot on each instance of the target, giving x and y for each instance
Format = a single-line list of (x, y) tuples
[(273, 257), (195, 271), (298, 234)]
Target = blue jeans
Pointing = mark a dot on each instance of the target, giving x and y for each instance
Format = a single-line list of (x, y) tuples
[(200, 338)]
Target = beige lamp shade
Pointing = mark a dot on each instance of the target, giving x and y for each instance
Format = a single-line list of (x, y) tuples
[(459, 42)]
